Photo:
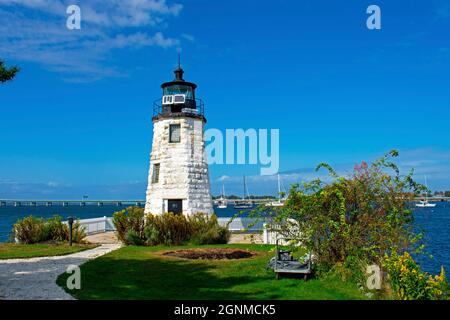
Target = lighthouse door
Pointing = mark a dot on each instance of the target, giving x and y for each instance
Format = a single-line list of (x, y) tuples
[(175, 206)]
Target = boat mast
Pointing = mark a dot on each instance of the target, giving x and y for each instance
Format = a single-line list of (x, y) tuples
[(246, 190), (243, 198), (223, 191), (279, 189)]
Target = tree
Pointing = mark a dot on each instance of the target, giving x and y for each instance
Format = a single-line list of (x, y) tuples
[(7, 74), (353, 221)]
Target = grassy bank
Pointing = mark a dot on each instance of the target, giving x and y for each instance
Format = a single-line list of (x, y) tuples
[(16, 251), (143, 273)]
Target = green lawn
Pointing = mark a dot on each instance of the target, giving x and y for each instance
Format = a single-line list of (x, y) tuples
[(142, 273), (15, 251)]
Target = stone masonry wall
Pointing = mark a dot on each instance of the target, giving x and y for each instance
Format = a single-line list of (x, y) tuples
[(183, 168)]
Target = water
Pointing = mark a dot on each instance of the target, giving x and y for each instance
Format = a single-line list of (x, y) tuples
[(436, 224), (435, 221), (9, 214)]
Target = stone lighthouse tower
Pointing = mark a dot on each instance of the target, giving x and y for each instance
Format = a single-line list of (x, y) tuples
[(178, 179)]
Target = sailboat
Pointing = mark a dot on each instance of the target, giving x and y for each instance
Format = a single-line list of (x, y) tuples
[(425, 203), (244, 204), (280, 201), (222, 203)]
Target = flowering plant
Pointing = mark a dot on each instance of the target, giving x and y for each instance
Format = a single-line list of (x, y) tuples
[(409, 283)]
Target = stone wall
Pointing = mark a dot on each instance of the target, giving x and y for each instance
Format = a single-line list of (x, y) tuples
[(183, 168)]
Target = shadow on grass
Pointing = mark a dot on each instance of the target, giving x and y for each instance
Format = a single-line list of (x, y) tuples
[(143, 273), (111, 277)]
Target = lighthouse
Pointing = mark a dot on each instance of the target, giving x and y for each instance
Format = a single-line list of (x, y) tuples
[(178, 179)]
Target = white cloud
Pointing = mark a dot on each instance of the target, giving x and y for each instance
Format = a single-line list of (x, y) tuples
[(35, 31), (223, 178), (188, 37), (430, 162), (53, 184)]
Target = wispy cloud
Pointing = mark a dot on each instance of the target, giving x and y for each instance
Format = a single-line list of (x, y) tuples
[(442, 10), (35, 31), (430, 162), (188, 37)]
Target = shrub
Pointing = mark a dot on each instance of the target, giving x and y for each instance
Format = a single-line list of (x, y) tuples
[(56, 230), (131, 218), (206, 230), (168, 228), (152, 235), (30, 230), (409, 283), (78, 233), (219, 235), (133, 238), (350, 221), (33, 230)]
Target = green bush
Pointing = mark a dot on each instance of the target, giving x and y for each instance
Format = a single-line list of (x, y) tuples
[(172, 229), (30, 230), (78, 233), (133, 238), (152, 235), (353, 220), (131, 218), (409, 283), (206, 230), (34, 230), (56, 230), (168, 228)]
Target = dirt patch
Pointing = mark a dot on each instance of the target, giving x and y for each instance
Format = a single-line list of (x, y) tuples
[(210, 254)]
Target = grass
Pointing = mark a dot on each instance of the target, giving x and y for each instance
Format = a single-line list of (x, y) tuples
[(16, 251), (143, 273)]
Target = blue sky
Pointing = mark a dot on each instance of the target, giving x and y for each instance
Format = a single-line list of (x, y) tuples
[(77, 119)]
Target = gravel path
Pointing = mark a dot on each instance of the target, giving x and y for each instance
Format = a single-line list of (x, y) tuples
[(35, 278)]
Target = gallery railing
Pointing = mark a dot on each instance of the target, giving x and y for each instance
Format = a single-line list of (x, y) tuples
[(189, 107)]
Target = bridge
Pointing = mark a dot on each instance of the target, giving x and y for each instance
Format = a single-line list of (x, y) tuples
[(65, 203), (118, 203), (139, 203)]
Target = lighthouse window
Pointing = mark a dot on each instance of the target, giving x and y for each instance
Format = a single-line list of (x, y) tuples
[(155, 174), (174, 133), (179, 89)]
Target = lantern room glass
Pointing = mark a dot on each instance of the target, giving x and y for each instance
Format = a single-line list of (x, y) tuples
[(180, 89)]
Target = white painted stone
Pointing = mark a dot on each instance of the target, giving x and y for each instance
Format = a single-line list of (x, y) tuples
[(183, 168)]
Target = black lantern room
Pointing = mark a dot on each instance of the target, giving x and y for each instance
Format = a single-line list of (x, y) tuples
[(178, 99)]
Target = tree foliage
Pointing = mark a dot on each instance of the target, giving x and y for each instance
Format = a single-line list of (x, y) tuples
[(352, 221), (7, 74)]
